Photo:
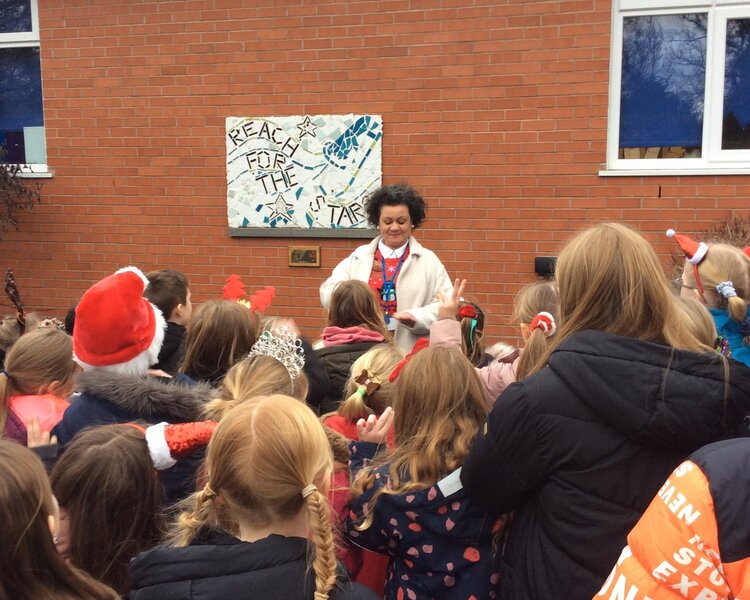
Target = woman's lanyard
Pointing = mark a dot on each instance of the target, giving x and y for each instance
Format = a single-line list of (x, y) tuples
[(388, 291)]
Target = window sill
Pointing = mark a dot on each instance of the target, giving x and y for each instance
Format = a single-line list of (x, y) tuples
[(671, 172), (35, 172)]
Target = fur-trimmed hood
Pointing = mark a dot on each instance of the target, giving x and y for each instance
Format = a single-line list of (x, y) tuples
[(146, 396)]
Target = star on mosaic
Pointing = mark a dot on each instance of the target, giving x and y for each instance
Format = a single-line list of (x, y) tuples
[(280, 209), (306, 128)]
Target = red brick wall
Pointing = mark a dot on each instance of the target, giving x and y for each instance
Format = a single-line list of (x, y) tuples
[(497, 112)]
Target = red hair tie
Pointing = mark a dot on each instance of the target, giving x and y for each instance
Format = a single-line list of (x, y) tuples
[(467, 310), (421, 344), (544, 321)]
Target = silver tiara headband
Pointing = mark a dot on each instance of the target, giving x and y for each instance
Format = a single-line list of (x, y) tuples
[(284, 346)]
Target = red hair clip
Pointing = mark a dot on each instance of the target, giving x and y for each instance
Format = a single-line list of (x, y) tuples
[(421, 344), (544, 321), (467, 310)]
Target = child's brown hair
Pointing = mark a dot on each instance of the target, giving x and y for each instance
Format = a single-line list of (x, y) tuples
[(438, 407), (106, 482), (220, 333), (40, 362), (31, 568), (166, 290), (354, 304)]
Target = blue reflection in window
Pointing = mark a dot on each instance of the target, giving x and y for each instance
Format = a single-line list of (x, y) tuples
[(20, 99), (15, 16), (663, 80), (736, 126)]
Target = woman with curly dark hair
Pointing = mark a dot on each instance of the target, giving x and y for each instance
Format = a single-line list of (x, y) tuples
[(405, 275)]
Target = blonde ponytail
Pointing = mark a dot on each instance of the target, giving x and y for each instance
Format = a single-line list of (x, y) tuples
[(533, 301), (189, 522), (324, 561), (535, 347), (376, 365), (354, 407), (737, 309)]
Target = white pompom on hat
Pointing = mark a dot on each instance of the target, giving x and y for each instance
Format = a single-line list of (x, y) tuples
[(116, 328), (694, 251)]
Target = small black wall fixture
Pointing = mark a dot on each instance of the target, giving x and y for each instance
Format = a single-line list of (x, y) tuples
[(545, 266)]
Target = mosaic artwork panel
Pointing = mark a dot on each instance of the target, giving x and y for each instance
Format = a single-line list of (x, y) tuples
[(309, 171)]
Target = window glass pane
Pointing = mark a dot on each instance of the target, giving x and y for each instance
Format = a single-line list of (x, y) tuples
[(15, 16), (21, 116), (736, 128), (663, 83)]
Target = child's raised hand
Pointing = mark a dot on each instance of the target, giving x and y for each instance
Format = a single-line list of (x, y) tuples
[(374, 429), (448, 307), (36, 438)]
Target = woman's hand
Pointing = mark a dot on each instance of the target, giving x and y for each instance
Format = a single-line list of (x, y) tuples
[(405, 318), (375, 430), (36, 438), (448, 307)]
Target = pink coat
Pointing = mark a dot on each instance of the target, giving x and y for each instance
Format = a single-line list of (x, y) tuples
[(495, 377), (47, 408)]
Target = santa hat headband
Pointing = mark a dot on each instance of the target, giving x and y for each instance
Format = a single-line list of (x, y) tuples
[(169, 443), (419, 345), (116, 327), (694, 251)]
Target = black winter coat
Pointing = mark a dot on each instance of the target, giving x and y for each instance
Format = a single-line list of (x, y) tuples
[(172, 351), (217, 566), (338, 361), (580, 449), (106, 398)]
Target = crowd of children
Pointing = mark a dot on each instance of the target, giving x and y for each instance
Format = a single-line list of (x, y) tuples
[(216, 454)]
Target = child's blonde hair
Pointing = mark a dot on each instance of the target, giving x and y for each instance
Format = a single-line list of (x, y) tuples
[(379, 364), (530, 301), (698, 320), (254, 376), (723, 263), (38, 359), (610, 280), (438, 405), (262, 457)]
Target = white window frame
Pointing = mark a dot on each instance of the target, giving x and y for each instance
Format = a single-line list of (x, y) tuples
[(713, 159), (27, 39)]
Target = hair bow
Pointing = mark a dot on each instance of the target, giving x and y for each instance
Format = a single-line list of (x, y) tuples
[(421, 344), (367, 385), (544, 321)]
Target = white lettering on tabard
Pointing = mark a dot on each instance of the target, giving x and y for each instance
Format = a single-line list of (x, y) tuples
[(677, 503)]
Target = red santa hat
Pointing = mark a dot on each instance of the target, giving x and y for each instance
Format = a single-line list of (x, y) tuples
[(694, 251), (746, 250), (169, 443), (116, 328)]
